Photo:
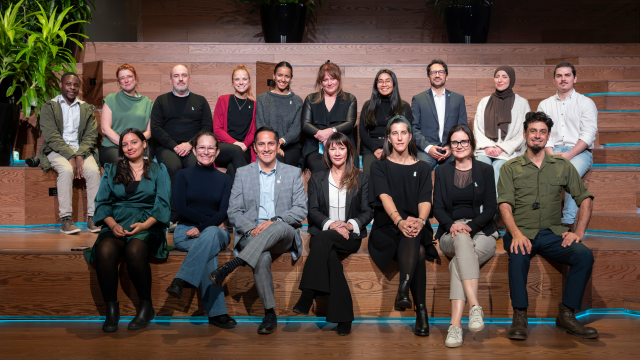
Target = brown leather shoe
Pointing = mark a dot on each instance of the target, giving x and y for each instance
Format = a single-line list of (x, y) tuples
[(518, 329), (567, 321)]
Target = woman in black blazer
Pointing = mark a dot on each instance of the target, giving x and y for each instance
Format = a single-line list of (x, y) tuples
[(338, 216), (329, 110), (464, 203)]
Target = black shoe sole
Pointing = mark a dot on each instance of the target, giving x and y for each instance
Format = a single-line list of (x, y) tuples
[(214, 281), (518, 337), (298, 311), (592, 336), (266, 332), (175, 294), (402, 304), (421, 333), (110, 329), (139, 327), (222, 326)]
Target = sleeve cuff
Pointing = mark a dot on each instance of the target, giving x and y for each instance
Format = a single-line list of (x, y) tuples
[(427, 148), (356, 227), (326, 225)]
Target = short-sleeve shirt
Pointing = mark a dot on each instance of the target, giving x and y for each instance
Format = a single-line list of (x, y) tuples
[(127, 112), (522, 183)]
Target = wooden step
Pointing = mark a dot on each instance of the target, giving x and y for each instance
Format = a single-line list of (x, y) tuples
[(607, 60), (617, 155), (614, 188), (629, 221), (618, 136), (613, 120)]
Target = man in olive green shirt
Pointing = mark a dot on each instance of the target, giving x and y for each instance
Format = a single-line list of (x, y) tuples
[(530, 197)]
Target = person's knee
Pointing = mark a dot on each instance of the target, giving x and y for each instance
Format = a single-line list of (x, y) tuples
[(216, 236), (136, 250), (518, 259), (462, 241), (421, 253), (585, 256)]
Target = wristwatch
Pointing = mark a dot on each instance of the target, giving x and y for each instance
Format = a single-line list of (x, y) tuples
[(334, 129), (423, 221)]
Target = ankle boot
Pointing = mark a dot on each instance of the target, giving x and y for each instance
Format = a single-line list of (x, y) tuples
[(567, 321), (305, 302), (403, 301), (175, 289), (344, 328), (112, 316), (143, 317), (518, 329), (422, 321)]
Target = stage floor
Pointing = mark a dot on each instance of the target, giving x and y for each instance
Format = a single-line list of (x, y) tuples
[(619, 339)]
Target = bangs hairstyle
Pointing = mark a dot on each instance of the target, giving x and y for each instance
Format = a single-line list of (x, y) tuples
[(249, 91), (205, 133), (124, 173), (466, 130), (349, 179), (387, 148), (126, 66), (397, 106), (332, 70)]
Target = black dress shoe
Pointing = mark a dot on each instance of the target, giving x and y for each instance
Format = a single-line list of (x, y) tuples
[(143, 317), (344, 328), (112, 316), (305, 302), (269, 323), (422, 321), (218, 275), (403, 301), (223, 321), (175, 289)]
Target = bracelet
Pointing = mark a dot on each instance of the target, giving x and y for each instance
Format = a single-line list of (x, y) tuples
[(398, 223)]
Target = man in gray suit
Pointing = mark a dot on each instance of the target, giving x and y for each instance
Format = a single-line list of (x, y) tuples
[(267, 202), (435, 112)]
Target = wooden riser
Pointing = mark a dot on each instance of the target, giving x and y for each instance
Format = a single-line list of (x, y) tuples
[(614, 190), (628, 222), (617, 155), (622, 136)]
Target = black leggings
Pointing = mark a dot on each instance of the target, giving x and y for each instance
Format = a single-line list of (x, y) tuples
[(411, 261), (291, 156), (314, 162), (136, 255), (232, 157)]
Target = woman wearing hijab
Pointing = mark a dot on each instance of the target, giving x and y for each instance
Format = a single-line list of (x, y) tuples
[(499, 122)]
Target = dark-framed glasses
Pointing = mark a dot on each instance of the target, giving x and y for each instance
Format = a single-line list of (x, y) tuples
[(463, 143), (438, 72)]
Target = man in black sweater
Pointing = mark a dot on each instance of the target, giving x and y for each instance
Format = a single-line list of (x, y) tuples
[(176, 118)]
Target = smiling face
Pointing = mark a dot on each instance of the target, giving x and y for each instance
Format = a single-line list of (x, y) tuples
[(206, 150), (385, 84), (180, 79), (437, 76), (282, 77), (460, 145), (330, 84), (399, 137), (241, 81), (127, 80), (501, 80), (133, 147), (338, 154), (564, 79), (70, 87), (266, 147), (536, 135)]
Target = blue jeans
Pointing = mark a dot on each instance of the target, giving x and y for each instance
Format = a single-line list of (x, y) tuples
[(582, 162), (202, 259), (496, 163)]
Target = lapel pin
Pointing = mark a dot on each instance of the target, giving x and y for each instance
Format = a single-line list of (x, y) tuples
[(476, 184), (415, 173), (192, 108)]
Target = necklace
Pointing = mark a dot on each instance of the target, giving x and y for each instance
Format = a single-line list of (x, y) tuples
[(243, 104)]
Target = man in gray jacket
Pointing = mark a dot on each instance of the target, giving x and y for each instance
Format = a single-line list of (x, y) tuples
[(267, 203), (435, 112), (70, 148)]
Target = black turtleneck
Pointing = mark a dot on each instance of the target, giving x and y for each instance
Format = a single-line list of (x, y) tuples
[(201, 196), (370, 135)]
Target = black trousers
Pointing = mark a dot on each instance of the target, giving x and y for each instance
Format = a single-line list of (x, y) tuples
[(367, 160), (314, 162), (291, 156), (323, 272), (232, 157), (174, 163)]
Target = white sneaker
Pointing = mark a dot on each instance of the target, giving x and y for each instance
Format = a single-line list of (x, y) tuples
[(454, 337), (476, 318)]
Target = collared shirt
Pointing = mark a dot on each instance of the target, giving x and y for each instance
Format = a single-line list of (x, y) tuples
[(188, 93), (71, 120), (337, 206), (441, 107), (522, 183), (267, 208), (574, 118)]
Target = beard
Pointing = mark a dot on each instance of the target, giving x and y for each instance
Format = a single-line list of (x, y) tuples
[(536, 148)]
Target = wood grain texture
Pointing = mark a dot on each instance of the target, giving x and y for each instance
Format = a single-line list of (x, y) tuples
[(617, 136), (617, 155), (610, 187)]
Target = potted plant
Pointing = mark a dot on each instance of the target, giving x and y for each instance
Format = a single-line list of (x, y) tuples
[(283, 21), (466, 21)]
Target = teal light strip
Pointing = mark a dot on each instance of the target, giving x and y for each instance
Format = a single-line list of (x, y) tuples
[(620, 144), (612, 94), (617, 110)]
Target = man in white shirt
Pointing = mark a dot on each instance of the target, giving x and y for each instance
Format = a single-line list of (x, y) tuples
[(435, 112), (576, 119), (70, 148)]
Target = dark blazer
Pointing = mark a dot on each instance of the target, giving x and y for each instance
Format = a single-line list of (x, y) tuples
[(425, 117), (484, 194), (343, 118), (357, 206)]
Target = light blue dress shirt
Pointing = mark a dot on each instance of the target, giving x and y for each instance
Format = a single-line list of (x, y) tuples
[(267, 208)]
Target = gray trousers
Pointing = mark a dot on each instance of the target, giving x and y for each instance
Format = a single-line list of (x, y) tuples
[(278, 238), (467, 254)]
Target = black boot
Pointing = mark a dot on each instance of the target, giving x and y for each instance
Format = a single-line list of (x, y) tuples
[(143, 317), (422, 321), (305, 302), (112, 317), (344, 328), (518, 329), (403, 301), (567, 321), (175, 289)]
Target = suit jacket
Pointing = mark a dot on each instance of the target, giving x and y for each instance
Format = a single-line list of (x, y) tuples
[(52, 126), (357, 206), (484, 194), (425, 117), (290, 201)]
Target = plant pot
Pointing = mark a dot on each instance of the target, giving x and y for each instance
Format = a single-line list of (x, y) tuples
[(467, 24), (283, 23)]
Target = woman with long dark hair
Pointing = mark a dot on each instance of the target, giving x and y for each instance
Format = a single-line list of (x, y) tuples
[(385, 103), (338, 216), (400, 195), (281, 109), (327, 111), (234, 123), (133, 203)]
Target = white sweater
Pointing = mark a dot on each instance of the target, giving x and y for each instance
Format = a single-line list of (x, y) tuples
[(513, 142)]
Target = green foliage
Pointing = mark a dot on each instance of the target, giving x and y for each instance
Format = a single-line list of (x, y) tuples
[(443, 4), (34, 58), (81, 10), (310, 5)]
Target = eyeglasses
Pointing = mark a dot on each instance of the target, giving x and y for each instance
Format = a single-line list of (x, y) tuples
[(438, 72), (463, 143), (204, 149), (385, 81)]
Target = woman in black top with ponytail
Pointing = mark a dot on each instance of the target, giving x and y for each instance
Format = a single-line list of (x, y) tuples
[(385, 103)]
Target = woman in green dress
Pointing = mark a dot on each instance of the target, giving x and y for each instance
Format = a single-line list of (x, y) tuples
[(133, 203)]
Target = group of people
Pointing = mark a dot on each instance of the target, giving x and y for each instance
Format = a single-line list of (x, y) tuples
[(514, 165)]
